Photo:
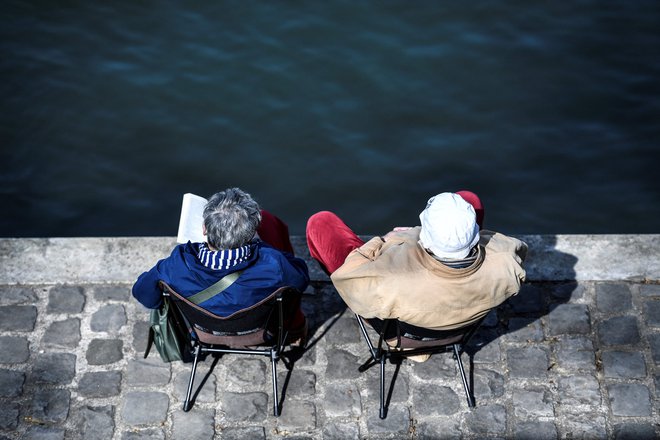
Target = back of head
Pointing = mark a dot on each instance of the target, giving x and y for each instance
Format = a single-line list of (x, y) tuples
[(449, 226), (231, 218)]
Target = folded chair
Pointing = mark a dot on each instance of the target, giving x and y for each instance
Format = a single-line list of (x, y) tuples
[(397, 338), (256, 330)]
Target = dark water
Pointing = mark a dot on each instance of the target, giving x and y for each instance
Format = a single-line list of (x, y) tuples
[(111, 110)]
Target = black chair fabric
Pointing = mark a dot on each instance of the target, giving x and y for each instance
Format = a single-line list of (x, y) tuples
[(256, 330)]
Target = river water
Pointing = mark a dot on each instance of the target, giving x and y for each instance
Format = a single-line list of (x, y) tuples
[(550, 111)]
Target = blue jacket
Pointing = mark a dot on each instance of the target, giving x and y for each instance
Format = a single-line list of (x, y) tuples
[(266, 270)]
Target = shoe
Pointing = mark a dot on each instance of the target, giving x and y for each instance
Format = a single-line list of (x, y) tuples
[(298, 337)]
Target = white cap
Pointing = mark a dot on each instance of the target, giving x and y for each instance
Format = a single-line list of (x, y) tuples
[(449, 226)]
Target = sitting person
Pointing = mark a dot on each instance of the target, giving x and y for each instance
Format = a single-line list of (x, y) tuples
[(442, 275), (240, 237)]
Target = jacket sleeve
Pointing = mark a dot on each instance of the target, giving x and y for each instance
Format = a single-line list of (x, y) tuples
[(357, 278), (298, 274), (146, 289)]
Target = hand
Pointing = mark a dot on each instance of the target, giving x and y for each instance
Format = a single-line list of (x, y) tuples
[(397, 229)]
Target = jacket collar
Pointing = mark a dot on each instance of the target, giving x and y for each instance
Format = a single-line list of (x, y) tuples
[(224, 258)]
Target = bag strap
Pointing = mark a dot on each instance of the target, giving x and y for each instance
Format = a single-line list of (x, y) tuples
[(215, 289)]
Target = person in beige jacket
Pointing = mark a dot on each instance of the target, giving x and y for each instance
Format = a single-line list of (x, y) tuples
[(442, 275)]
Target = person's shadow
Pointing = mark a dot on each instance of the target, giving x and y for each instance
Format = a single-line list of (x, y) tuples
[(551, 281)]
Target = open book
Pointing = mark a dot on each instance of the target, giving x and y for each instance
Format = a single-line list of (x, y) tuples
[(192, 219)]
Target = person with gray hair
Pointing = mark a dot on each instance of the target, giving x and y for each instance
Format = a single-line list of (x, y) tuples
[(240, 237)]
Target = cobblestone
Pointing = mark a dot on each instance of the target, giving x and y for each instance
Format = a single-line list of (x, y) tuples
[(18, 318), (565, 362)]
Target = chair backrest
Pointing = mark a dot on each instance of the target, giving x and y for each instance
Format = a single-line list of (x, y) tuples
[(253, 325), (400, 334)]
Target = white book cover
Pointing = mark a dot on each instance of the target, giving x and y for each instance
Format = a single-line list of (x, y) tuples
[(192, 219)]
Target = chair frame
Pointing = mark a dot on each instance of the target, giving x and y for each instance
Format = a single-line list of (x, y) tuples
[(199, 348), (382, 351)]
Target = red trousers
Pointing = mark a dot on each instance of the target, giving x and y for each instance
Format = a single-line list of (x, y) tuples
[(330, 240), (275, 232)]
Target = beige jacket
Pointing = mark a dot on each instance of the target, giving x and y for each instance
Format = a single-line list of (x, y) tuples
[(397, 278)]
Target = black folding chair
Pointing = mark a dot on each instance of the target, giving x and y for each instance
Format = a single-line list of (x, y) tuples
[(256, 330), (397, 339)]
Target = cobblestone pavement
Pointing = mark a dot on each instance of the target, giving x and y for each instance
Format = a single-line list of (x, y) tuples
[(560, 360)]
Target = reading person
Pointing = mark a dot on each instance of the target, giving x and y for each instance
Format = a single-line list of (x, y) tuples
[(441, 275), (239, 237)]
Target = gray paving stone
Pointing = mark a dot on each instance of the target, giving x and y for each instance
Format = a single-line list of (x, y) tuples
[(532, 403), (11, 383), (530, 299), (488, 384), (582, 425), (485, 347), (629, 400), (18, 318), (147, 372), (297, 416), (620, 330), (145, 407), (527, 362), (487, 420), (524, 330), (54, 368), (654, 342), (439, 366), (634, 431), (623, 364), (104, 351), (649, 289), (50, 406), (579, 390), (342, 400), (239, 433), (64, 333), (140, 335), (11, 295), (431, 399), (100, 384), (145, 434), (109, 318), (401, 389), (9, 415), (246, 407), (44, 433), (341, 365), (652, 313), (535, 430), (97, 423), (308, 358), (205, 394), (570, 291), (249, 371), (613, 297), (576, 353), (301, 382), (13, 349), (396, 424), (196, 424), (340, 431), (65, 299), (438, 428), (345, 331), (111, 293), (568, 319)]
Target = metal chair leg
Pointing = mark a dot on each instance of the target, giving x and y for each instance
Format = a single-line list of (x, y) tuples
[(273, 368), (468, 392), (186, 403), (382, 385)]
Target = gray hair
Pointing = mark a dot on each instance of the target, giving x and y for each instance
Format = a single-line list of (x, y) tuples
[(231, 218)]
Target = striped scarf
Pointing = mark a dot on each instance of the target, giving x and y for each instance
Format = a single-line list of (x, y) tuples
[(460, 263), (222, 259)]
